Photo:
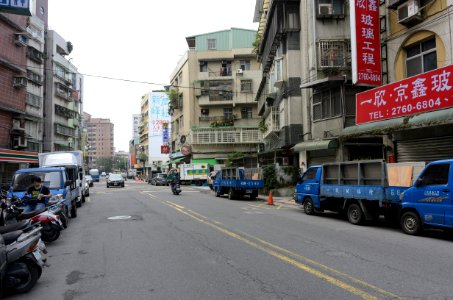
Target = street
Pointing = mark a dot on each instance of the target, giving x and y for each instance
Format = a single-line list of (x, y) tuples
[(198, 246)]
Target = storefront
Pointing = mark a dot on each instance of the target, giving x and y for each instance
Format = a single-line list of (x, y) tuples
[(12, 160)]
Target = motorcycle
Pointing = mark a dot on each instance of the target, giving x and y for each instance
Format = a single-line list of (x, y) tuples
[(50, 222), (176, 188), (25, 256)]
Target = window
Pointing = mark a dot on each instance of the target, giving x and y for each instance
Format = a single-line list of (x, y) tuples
[(310, 174), (246, 112), (327, 104), (60, 71), (245, 64), (421, 57), (205, 111), (228, 112), (246, 86), (225, 70), (212, 44), (435, 175), (203, 66)]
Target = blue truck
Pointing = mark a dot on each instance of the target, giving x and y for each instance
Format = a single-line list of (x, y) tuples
[(55, 178), (361, 190), (94, 173), (238, 182)]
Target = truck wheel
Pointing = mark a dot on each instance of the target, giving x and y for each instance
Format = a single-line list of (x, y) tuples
[(355, 214), (217, 192), (79, 203), (410, 223), (231, 194), (308, 207)]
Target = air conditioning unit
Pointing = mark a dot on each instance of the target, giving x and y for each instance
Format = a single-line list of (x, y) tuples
[(20, 82), (239, 71), (21, 40), (19, 142), (325, 9), (17, 125), (409, 12)]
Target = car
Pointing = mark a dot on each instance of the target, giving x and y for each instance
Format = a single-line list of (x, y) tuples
[(159, 179), (103, 174), (115, 180), (89, 180)]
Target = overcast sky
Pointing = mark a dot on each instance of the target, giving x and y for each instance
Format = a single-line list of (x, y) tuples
[(139, 40)]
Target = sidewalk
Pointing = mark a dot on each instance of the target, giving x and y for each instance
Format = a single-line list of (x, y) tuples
[(285, 201)]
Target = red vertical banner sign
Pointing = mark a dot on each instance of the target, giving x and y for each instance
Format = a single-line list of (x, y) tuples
[(365, 42)]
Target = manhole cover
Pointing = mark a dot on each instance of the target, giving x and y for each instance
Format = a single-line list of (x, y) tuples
[(120, 218), (125, 218)]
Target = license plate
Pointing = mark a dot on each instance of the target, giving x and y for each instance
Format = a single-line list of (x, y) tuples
[(37, 255), (249, 191)]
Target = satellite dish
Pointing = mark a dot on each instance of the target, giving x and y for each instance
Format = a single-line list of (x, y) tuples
[(182, 139)]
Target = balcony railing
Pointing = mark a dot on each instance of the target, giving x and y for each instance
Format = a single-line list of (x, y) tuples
[(63, 130), (272, 121), (217, 118), (209, 136)]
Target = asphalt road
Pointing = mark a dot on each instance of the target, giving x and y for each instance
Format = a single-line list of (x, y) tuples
[(197, 246)]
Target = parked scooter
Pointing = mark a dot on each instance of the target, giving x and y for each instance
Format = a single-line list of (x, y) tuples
[(25, 256), (51, 223)]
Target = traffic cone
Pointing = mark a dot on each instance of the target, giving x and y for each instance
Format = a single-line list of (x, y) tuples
[(270, 199)]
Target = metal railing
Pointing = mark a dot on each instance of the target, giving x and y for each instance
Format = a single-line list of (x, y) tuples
[(272, 121), (334, 53), (206, 136)]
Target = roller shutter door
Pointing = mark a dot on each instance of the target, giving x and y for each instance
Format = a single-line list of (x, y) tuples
[(427, 149)]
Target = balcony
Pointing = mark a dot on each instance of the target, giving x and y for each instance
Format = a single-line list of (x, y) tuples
[(63, 111), (225, 136), (64, 130), (62, 91), (73, 122), (272, 122), (34, 100)]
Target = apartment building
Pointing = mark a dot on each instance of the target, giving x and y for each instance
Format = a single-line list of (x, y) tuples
[(143, 146), (64, 94), (212, 105), (416, 40), (21, 40), (100, 139), (136, 119), (415, 37), (280, 104)]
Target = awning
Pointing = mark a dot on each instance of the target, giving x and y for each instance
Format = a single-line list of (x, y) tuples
[(176, 160), (325, 82), (176, 155), (316, 145), (210, 161), (14, 156), (432, 118)]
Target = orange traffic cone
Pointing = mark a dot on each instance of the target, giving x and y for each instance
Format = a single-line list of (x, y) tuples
[(270, 199)]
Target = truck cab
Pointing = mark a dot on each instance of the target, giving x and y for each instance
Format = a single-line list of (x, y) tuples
[(56, 179), (429, 202), (308, 188)]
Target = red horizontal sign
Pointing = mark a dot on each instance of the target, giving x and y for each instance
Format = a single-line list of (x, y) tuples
[(425, 92)]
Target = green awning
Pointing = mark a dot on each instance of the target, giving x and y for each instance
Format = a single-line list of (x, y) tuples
[(316, 145), (210, 161), (176, 160), (176, 155)]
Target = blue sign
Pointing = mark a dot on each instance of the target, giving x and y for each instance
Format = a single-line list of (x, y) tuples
[(165, 135), (18, 7)]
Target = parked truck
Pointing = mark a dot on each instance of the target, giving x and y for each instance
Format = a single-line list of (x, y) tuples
[(238, 182), (55, 178), (72, 161), (363, 190), (193, 173)]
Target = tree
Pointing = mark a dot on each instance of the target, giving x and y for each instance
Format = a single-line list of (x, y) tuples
[(104, 164)]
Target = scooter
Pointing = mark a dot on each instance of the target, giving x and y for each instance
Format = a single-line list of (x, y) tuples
[(176, 188), (25, 256), (51, 223)]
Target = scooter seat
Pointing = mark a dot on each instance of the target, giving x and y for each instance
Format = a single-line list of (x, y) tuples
[(24, 216), (13, 227), (11, 237)]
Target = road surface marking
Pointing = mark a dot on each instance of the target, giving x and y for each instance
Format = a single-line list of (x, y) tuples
[(176, 205), (330, 279)]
